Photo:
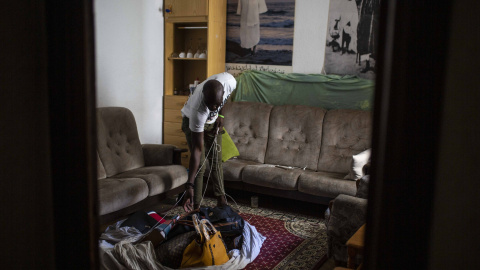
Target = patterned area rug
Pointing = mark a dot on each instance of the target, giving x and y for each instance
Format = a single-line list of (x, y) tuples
[(293, 241)]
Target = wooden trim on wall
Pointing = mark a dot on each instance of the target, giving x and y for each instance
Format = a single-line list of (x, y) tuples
[(408, 102), (71, 84)]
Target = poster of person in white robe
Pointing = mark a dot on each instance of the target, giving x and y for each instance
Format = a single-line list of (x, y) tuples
[(260, 32), (352, 38)]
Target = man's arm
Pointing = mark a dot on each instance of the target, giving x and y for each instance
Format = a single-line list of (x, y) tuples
[(219, 122), (195, 155)]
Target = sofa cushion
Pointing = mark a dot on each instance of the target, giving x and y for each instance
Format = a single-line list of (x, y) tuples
[(159, 178), (115, 194), (117, 140), (232, 169), (294, 136), (271, 176), (345, 133), (247, 125), (100, 169), (325, 184)]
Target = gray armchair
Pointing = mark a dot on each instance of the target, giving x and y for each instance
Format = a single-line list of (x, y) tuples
[(131, 175), (345, 215)]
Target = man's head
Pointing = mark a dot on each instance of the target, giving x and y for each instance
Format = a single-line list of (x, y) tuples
[(213, 94)]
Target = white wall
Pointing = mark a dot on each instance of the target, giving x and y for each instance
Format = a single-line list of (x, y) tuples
[(311, 22), (129, 61), (129, 55)]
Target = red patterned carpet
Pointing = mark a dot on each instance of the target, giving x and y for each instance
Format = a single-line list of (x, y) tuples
[(277, 246)]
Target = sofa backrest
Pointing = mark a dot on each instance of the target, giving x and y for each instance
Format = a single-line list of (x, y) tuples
[(295, 136), (101, 174), (118, 144), (345, 133), (247, 124)]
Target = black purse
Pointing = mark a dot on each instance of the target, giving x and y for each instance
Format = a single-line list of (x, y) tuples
[(223, 218)]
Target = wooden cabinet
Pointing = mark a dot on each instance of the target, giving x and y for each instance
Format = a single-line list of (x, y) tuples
[(182, 8), (195, 25), (172, 124)]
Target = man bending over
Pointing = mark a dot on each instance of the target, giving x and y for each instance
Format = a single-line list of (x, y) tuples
[(202, 121)]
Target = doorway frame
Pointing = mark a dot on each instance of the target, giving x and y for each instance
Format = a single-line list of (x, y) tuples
[(71, 86), (410, 85)]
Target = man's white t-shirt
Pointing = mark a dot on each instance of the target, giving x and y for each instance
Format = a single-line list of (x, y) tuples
[(196, 109)]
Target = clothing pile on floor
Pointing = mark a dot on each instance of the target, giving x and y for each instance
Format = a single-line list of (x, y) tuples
[(147, 241)]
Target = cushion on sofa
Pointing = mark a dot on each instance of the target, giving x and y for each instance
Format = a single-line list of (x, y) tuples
[(118, 144), (247, 125), (158, 178), (358, 161), (158, 154), (271, 176), (345, 133), (325, 184), (294, 136), (115, 194), (232, 169)]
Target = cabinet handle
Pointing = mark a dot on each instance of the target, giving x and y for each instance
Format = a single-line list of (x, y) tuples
[(183, 143)]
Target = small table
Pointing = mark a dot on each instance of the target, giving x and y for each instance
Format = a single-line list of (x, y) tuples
[(355, 246)]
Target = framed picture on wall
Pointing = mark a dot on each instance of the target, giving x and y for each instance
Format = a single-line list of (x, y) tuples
[(260, 32), (352, 37)]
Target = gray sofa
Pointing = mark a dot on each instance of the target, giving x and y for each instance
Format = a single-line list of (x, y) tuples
[(130, 175), (319, 144)]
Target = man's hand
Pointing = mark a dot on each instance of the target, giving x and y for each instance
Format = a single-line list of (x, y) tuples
[(188, 200), (218, 125)]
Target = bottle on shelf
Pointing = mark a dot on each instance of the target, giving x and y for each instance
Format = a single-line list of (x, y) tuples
[(175, 92), (196, 82), (192, 88)]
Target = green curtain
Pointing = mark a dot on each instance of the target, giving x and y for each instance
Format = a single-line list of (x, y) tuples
[(325, 91)]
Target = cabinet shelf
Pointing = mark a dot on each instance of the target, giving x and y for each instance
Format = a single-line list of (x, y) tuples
[(194, 59), (192, 27)]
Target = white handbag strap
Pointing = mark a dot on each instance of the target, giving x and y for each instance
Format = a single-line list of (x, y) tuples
[(209, 226), (204, 231), (198, 227)]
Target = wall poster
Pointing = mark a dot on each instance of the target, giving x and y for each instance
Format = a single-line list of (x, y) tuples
[(260, 32), (352, 38)]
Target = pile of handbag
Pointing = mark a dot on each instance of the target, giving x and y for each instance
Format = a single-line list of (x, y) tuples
[(202, 237), (198, 240)]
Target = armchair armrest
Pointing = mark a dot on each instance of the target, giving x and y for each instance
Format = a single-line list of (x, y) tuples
[(159, 154), (347, 215), (347, 212), (177, 155)]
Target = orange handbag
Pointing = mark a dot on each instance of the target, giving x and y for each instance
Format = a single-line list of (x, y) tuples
[(208, 249)]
